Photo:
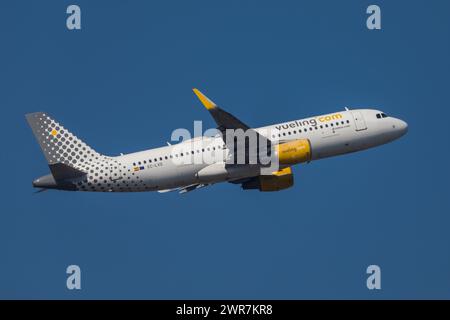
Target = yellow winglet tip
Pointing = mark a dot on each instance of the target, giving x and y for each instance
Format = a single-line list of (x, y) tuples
[(204, 99)]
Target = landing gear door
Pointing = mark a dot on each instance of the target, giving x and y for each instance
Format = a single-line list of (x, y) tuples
[(360, 124)]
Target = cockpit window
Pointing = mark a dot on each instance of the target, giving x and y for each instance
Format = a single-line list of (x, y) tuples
[(378, 116), (384, 115)]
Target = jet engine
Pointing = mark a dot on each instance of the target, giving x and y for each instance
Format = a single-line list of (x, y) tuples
[(279, 180), (293, 152)]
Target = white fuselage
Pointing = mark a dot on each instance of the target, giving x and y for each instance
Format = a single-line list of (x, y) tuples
[(161, 168)]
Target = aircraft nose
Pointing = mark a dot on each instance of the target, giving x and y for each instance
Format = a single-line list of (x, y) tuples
[(401, 127)]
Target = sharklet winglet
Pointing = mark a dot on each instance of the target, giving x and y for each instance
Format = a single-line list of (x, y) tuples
[(204, 99)]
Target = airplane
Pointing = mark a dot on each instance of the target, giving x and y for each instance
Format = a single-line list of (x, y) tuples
[(74, 166)]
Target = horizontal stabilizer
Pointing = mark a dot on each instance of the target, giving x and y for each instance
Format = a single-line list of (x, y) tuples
[(61, 171)]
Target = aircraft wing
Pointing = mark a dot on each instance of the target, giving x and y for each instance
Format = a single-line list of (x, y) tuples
[(223, 119), (226, 121)]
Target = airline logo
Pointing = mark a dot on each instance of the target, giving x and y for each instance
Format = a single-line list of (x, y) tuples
[(310, 122), (330, 117)]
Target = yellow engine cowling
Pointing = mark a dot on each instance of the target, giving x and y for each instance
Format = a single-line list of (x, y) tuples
[(279, 180), (293, 152)]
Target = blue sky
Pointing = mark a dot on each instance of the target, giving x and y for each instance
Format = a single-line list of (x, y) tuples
[(123, 83)]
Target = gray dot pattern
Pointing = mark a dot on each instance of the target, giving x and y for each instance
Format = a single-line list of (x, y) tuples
[(103, 173)]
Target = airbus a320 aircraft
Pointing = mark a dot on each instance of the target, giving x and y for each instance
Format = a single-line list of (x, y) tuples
[(75, 166)]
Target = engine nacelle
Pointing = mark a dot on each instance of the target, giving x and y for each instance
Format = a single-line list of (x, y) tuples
[(293, 152), (279, 180)]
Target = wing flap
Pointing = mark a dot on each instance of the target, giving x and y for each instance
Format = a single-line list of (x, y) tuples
[(185, 189)]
